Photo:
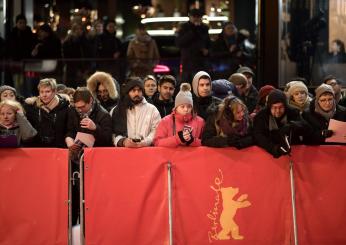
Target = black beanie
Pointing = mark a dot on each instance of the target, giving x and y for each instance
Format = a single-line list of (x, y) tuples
[(131, 83), (276, 96)]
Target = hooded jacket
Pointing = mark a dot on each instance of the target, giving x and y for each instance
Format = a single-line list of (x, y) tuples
[(201, 104), (109, 83)]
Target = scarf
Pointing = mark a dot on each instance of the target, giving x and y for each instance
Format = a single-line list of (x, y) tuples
[(327, 115), (273, 122), (50, 106), (233, 128)]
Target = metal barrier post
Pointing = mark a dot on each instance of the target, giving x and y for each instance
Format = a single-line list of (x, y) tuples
[(293, 201), (170, 210)]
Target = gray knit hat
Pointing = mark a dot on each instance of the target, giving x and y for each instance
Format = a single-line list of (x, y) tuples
[(296, 86), (184, 96), (323, 88), (6, 87)]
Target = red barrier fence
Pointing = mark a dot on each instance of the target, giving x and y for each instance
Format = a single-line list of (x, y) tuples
[(33, 196), (219, 196)]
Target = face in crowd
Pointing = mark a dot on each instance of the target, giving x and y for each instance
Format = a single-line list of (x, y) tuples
[(150, 87), (249, 79), (7, 95), (184, 109), (7, 115), (326, 102), (277, 110), (299, 96), (204, 87), (335, 85), (102, 93), (83, 107), (46, 94), (239, 112), (166, 91), (136, 95)]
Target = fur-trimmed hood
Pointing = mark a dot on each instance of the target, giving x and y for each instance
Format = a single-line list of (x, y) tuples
[(106, 80)]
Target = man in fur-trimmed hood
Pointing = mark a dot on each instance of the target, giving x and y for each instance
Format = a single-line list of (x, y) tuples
[(104, 88)]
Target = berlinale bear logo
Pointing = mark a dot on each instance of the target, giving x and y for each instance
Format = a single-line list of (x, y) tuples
[(223, 225)]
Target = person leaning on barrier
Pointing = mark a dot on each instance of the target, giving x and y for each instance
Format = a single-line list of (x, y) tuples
[(182, 127), (323, 108), (278, 126), (228, 124), (47, 113), (134, 119), (14, 122), (89, 117)]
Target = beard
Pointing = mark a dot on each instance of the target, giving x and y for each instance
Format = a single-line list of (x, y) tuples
[(137, 99)]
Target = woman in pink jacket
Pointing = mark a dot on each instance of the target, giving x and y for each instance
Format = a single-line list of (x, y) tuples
[(182, 127)]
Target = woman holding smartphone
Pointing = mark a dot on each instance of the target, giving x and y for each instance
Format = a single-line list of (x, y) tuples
[(182, 127)]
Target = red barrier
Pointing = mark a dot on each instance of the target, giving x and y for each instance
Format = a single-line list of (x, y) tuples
[(320, 174), (33, 194), (126, 196)]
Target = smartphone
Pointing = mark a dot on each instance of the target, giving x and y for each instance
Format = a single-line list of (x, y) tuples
[(136, 140), (187, 128)]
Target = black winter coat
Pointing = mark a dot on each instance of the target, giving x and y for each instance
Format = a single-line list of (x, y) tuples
[(102, 120), (271, 141), (318, 123), (201, 104), (164, 107), (51, 127)]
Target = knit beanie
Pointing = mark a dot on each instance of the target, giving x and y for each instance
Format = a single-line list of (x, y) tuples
[(276, 96), (296, 86), (195, 81), (245, 69), (131, 83), (323, 88), (263, 93), (184, 96), (238, 79), (6, 87)]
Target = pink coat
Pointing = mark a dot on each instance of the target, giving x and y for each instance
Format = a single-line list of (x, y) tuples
[(164, 132)]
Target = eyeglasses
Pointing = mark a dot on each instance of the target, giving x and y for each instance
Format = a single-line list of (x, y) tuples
[(326, 100)]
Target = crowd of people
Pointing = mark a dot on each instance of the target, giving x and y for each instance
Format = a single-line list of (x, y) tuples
[(145, 112)]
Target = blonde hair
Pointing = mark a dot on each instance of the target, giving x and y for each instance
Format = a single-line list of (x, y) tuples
[(227, 109), (47, 82), (14, 105)]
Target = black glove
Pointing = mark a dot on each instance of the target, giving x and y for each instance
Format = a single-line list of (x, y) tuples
[(243, 142), (326, 133), (279, 151), (181, 137), (232, 139)]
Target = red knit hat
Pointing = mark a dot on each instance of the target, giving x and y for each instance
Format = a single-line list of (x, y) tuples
[(263, 93)]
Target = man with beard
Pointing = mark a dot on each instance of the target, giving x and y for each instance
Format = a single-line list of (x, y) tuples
[(277, 126), (164, 99), (47, 113), (134, 119)]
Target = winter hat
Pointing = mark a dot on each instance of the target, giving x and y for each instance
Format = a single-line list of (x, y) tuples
[(184, 96), (276, 96), (296, 86), (263, 93), (131, 83), (245, 69), (6, 87), (196, 79), (238, 79), (323, 88)]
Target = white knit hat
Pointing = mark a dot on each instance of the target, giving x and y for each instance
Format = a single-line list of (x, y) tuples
[(296, 86), (184, 96)]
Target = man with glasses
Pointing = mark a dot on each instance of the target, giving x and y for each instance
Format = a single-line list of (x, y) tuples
[(336, 85), (323, 108), (278, 126)]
